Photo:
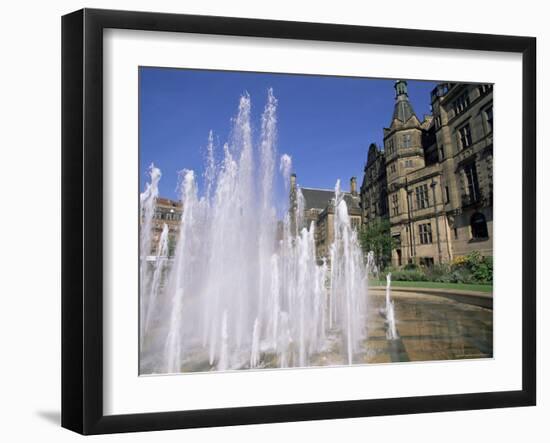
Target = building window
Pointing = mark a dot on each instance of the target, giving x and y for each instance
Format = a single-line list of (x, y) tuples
[(422, 199), (383, 204), (472, 182), (437, 122), (389, 146), (406, 141), (465, 136), (484, 89), (425, 233), (409, 163), (447, 195), (441, 153), (478, 225), (488, 112), (427, 262), (392, 167), (461, 103), (456, 233), (395, 204)]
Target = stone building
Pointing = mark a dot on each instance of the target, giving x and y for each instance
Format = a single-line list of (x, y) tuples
[(433, 179), (318, 208), (374, 188), (167, 212)]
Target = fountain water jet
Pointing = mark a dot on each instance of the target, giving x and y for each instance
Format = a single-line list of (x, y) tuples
[(148, 200), (244, 286), (255, 354), (348, 279), (160, 265), (391, 332)]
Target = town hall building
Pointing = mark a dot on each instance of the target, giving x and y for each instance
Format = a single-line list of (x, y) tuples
[(433, 179)]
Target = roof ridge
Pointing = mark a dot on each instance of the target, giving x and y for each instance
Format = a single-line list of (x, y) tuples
[(324, 190), (315, 189)]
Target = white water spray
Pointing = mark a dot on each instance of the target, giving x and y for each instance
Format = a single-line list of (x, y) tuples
[(159, 268), (148, 202), (391, 332), (245, 288)]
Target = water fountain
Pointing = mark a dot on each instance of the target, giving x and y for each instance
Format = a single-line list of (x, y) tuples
[(244, 288), (372, 267), (391, 332), (160, 263), (147, 206)]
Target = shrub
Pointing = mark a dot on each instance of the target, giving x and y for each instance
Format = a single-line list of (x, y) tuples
[(483, 271), (437, 272), (459, 261), (479, 268), (461, 276), (446, 278), (409, 275), (472, 268)]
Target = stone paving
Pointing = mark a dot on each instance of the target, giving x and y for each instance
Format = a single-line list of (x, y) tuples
[(430, 327), (446, 326)]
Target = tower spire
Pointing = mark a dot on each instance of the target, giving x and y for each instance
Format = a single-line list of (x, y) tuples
[(401, 89), (403, 109)]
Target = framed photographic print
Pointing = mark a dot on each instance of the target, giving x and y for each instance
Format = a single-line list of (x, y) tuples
[(269, 221)]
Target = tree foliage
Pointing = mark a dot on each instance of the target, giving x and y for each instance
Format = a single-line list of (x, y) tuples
[(376, 236)]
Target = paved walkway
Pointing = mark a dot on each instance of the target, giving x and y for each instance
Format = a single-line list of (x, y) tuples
[(431, 326), (476, 298)]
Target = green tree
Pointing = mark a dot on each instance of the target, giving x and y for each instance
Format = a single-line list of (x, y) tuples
[(376, 236)]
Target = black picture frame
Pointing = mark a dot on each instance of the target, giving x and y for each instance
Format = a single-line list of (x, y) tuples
[(82, 218)]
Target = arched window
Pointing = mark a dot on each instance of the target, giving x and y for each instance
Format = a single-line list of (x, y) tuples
[(478, 225)]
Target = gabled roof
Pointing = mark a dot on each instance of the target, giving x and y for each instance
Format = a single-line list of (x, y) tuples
[(321, 198), (317, 198)]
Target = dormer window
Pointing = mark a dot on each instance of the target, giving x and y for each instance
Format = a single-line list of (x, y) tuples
[(465, 136), (395, 204), (461, 103), (422, 199), (478, 227), (488, 112), (484, 89)]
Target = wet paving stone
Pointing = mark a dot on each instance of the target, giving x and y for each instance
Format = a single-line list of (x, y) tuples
[(430, 328)]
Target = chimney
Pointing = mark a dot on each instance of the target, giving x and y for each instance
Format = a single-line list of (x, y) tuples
[(353, 186)]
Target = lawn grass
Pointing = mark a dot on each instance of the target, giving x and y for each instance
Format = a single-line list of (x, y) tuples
[(436, 285)]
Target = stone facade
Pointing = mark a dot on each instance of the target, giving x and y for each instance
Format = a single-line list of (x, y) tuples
[(433, 179), (374, 188), (167, 212), (318, 208)]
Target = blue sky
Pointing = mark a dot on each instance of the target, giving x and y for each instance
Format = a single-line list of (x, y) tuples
[(325, 123)]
